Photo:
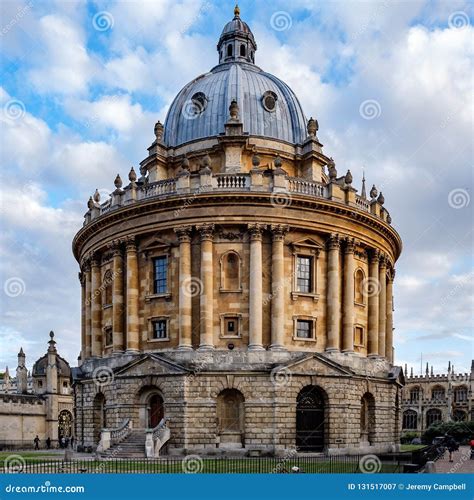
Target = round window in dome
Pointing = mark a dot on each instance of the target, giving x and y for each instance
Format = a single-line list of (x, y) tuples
[(269, 100), (197, 104)]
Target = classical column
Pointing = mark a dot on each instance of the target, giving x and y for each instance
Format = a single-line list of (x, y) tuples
[(82, 280), (348, 298), (117, 299), (132, 295), (278, 287), (255, 288), (382, 305), (185, 295), (96, 308), (333, 295), (88, 311), (372, 289), (389, 325), (207, 295)]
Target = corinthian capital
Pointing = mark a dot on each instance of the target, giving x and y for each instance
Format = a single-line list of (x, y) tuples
[(279, 231), (206, 231), (333, 242), (256, 231), (183, 233)]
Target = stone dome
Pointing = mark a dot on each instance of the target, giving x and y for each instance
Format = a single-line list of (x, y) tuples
[(267, 106), (39, 368)]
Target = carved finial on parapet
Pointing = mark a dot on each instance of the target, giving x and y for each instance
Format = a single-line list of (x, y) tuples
[(90, 203), (406, 370), (132, 175), (234, 111), (205, 165), (431, 370), (373, 193), (427, 370), (381, 198), (348, 178), (96, 196), (118, 182), (362, 191), (158, 130), (312, 127), (411, 372), (332, 172)]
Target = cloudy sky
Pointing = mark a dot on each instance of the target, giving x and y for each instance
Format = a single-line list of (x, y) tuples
[(389, 81)]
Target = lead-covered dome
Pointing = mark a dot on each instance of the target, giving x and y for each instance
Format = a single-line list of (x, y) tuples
[(267, 106)]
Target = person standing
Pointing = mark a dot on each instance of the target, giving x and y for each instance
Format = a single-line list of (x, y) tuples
[(36, 440), (48, 443)]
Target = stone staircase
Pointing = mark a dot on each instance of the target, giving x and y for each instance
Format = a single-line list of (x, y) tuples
[(133, 446)]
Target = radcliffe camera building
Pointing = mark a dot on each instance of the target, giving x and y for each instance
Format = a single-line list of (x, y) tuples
[(238, 289)]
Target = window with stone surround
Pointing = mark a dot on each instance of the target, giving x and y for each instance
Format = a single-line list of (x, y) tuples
[(410, 420), (231, 325), (433, 416), (460, 394), (438, 393), (160, 274), (108, 336), (230, 265), (359, 296), (415, 395), (107, 281), (159, 329), (359, 337), (305, 269), (304, 328)]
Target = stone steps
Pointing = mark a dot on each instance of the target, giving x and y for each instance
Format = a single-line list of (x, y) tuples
[(133, 446)]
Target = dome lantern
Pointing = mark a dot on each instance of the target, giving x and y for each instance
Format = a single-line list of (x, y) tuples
[(236, 42)]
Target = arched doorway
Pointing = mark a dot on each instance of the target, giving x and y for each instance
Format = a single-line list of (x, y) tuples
[(155, 410), (231, 418), (64, 424), (310, 419), (99, 415)]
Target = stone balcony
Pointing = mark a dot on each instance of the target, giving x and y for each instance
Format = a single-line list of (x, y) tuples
[(277, 183)]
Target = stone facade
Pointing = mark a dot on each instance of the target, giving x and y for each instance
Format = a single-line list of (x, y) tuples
[(234, 260), (40, 404), (430, 398)]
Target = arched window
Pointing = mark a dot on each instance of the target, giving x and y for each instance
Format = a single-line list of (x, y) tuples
[(459, 416), (229, 50), (359, 296), (107, 288), (230, 272), (460, 394), (367, 419), (433, 416), (410, 420), (438, 393), (243, 50), (99, 415), (415, 395)]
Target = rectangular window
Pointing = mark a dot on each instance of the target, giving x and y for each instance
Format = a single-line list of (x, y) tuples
[(358, 335), (304, 329), (304, 274), (160, 330), (108, 336), (160, 266)]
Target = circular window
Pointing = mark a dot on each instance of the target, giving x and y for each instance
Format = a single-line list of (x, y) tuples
[(198, 103), (269, 100)]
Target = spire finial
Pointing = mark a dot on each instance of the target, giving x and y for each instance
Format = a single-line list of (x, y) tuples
[(363, 193), (237, 10)]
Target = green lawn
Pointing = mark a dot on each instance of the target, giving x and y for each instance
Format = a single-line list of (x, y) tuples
[(216, 466), (31, 454), (411, 447)]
